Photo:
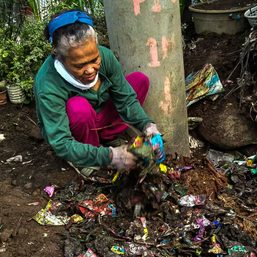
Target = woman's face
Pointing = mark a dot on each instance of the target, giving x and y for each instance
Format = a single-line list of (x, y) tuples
[(84, 61)]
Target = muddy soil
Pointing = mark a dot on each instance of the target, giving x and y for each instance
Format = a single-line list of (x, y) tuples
[(226, 4), (21, 185), (22, 182)]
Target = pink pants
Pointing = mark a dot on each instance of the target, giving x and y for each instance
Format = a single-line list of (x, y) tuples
[(89, 127)]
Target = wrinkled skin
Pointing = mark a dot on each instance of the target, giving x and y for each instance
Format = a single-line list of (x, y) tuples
[(83, 61)]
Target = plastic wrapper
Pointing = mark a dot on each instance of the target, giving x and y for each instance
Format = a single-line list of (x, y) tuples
[(114, 210), (203, 83), (76, 218), (46, 217), (202, 223), (100, 206), (192, 200), (118, 250), (143, 221), (250, 162), (135, 249), (149, 148), (237, 249), (216, 247), (88, 253), (219, 158), (142, 150), (174, 174), (163, 168), (49, 190)]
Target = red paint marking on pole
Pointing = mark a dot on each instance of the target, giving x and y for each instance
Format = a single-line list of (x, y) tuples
[(157, 6), (165, 47), (166, 104), (152, 43), (137, 6)]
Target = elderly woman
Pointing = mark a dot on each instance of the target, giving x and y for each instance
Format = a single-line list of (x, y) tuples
[(83, 98)]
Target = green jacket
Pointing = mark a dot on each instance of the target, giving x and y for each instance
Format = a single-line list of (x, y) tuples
[(52, 92)]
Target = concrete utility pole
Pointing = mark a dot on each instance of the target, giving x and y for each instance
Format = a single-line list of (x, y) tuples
[(146, 36)]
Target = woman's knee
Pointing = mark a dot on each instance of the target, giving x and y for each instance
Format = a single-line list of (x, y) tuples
[(79, 109), (138, 80)]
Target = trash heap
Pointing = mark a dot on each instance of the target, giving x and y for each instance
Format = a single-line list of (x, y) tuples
[(181, 207), (246, 83)]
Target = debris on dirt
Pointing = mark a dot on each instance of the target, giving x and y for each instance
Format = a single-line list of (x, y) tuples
[(49, 190), (2, 137), (246, 83), (208, 207), (229, 122), (47, 216), (17, 158), (195, 143), (144, 215)]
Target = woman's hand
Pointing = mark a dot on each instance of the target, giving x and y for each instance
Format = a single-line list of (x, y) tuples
[(156, 141), (122, 159)]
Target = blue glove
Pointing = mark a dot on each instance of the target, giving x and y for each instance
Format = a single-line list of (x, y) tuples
[(156, 142)]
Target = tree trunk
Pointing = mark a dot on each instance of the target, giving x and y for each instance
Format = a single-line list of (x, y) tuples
[(146, 36)]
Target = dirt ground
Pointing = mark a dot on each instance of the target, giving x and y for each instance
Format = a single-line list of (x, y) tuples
[(22, 181), (21, 185)]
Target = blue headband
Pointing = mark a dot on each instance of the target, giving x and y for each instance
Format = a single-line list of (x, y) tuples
[(66, 19)]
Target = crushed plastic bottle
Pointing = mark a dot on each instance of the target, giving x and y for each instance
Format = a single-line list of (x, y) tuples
[(192, 200)]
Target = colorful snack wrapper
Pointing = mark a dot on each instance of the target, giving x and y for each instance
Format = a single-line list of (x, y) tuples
[(118, 250)]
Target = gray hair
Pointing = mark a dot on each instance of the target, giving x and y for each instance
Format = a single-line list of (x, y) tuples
[(77, 38)]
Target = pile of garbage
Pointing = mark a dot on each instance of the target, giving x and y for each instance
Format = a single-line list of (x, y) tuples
[(246, 83), (180, 207)]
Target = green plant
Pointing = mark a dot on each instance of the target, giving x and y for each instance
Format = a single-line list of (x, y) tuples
[(2, 86), (21, 56), (6, 54), (25, 55), (94, 7), (35, 6), (182, 4), (11, 17)]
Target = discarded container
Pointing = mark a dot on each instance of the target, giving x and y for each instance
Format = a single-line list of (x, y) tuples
[(15, 94), (251, 16), (3, 97), (229, 21)]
